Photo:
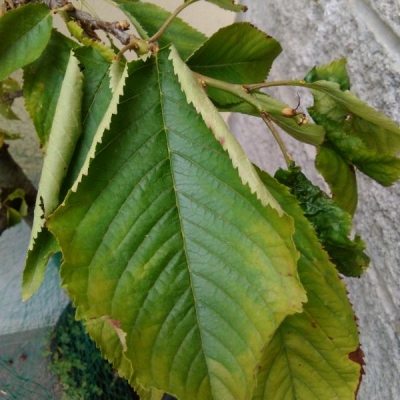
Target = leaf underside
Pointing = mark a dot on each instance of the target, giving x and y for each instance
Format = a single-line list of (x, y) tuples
[(175, 231)]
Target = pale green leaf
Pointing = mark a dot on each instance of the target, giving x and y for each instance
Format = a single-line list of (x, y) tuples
[(42, 83), (8, 88), (196, 95), (64, 134), (162, 236), (239, 53), (24, 33), (228, 5), (148, 18), (310, 355), (340, 176)]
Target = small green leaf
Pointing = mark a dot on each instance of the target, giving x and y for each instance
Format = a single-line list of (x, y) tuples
[(148, 18), (64, 134), (8, 88), (228, 5), (238, 53), (310, 355), (24, 33), (176, 230), (42, 83), (16, 207), (340, 176), (78, 33), (333, 72), (332, 223)]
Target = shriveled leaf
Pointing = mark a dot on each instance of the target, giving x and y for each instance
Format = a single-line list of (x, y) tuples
[(149, 17), (8, 89), (24, 33), (378, 132), (78, 33), (332, 223), (382, 167), (42, 83), (64, 134), (311, 354), (102, 87), (239, 53), (334, 72), (196, 95), (176, 231), (228, 5), (340, 176)]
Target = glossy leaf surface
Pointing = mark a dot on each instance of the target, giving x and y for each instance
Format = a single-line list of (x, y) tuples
[(332, 223), (24, 34), (310, 355), (176, 231), (238, 53)]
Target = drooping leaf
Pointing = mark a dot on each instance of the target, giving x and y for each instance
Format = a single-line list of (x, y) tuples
[(310, 355), (332, 223), (8, 88), (340, 176), (64, 134), (382, 167), (148, 18), (228, 5), (42, 83), (238, 53), (102, 87), (176, 231), (16, 207), (24, 33), (195, 95)]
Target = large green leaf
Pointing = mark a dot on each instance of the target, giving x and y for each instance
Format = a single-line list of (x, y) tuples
[(238, 53), (163, 237), (340, 176), (148, 18), (310, 355), (64, 134), (332, 223), (42, 83), (24, 34)]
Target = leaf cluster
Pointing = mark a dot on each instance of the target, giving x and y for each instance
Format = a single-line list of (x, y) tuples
[(196, 273)]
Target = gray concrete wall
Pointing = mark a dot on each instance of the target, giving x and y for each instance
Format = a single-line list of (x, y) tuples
[(367, 32)]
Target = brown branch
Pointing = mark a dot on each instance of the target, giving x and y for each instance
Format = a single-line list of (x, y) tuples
[(12, 177)]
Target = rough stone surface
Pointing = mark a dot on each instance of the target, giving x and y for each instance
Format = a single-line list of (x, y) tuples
[(368, 34)]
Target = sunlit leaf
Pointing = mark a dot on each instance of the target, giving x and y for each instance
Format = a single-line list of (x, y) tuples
[(175, 231), (311, 354), (64, 134), (24, 33), (238, 53), (42, 83), (332, 223)]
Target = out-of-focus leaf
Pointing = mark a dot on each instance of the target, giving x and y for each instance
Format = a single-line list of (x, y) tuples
[(239, 53), (24, 33), (332, 223), (311, 354), (4, 135), (150, 17), (228, 5), (333, 72), (42, 83), (340, 176), (64, 134), (8, 88), (175, 231), (16, 207)]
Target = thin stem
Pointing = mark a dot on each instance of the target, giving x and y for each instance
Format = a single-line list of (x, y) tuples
[(275, 133), (256, 86), (166, 24)]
